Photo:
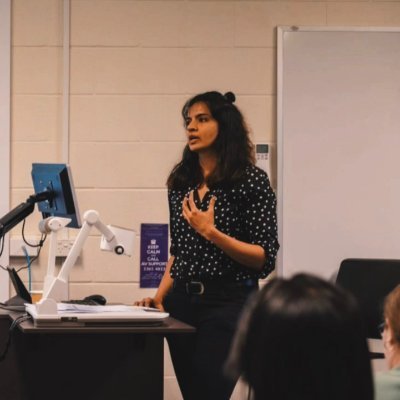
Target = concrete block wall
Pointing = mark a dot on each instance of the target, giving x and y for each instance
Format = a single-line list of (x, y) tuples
[(133, 64)]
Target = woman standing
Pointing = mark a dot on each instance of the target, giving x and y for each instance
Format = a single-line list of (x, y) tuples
[(223, 239)]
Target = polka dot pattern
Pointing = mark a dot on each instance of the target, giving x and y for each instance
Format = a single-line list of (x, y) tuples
[(246, 212)]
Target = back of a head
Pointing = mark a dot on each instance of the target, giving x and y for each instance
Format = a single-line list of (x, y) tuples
[(303, 339), (392, 314)]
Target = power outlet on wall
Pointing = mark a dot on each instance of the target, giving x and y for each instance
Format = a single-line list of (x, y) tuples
[(16, 244), (64, 247)]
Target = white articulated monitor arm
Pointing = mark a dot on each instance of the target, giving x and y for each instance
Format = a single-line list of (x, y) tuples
[(118, 240), (52, 225)]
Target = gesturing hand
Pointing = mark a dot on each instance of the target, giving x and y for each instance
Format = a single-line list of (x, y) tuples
[(201, 221)]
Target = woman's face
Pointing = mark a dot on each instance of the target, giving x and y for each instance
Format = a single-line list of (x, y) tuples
[(201, 128)]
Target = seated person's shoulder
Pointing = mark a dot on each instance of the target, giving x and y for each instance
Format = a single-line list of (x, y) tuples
[(387, 385)]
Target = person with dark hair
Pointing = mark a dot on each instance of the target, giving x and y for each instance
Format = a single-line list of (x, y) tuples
[(302, 339), (223, 239), (387, 384)]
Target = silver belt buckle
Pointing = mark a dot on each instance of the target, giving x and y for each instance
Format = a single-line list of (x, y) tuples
[(191, 284)]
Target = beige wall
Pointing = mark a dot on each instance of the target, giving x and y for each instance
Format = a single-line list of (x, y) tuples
[(133, 63)]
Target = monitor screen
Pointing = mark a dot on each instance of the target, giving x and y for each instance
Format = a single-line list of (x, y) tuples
[(56, 178)]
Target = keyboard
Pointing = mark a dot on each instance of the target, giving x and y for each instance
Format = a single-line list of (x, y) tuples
[(87, 302)]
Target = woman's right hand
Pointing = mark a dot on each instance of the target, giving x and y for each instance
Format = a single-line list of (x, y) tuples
[(150, 302), (163, 289)]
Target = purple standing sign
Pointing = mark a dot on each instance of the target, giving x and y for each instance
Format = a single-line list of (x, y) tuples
[(153, 254)]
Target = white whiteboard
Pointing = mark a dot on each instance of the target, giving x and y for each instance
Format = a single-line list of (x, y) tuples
[(338, 146), (5, 43)]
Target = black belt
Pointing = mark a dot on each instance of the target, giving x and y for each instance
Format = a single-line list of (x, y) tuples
[(206, 287)]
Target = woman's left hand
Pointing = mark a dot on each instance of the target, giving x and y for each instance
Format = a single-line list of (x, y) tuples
[(201, 221)]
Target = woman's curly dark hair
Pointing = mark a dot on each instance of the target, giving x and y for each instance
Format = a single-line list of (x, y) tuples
[(233, 145)]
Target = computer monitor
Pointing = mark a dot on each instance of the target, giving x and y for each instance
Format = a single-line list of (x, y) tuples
[(56, 178), (54, 191)]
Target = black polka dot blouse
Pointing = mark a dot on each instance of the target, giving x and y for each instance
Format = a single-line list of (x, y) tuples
[(246, 212)]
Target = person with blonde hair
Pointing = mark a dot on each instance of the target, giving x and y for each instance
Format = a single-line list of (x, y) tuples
[(387, 384)]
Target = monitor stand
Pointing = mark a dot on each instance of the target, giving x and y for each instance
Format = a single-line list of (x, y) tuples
[(16, 303)]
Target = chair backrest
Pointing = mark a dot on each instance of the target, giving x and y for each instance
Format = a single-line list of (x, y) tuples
[(370, 281)]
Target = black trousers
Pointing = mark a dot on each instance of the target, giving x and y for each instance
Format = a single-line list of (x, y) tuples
[(199, 359)]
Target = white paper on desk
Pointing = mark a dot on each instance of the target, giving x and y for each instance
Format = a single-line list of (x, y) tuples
[(83, 308), (81, 316)]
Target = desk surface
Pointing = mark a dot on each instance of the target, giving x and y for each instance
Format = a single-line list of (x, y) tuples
[(125, 362), (170, 325)]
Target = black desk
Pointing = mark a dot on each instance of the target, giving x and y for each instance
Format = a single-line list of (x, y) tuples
[(76, 363)]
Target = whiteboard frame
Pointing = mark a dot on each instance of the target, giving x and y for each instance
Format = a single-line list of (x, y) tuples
[(281, 31), (5, 127)]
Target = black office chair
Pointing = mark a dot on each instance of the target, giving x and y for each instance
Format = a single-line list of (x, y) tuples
[(370, 281)]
